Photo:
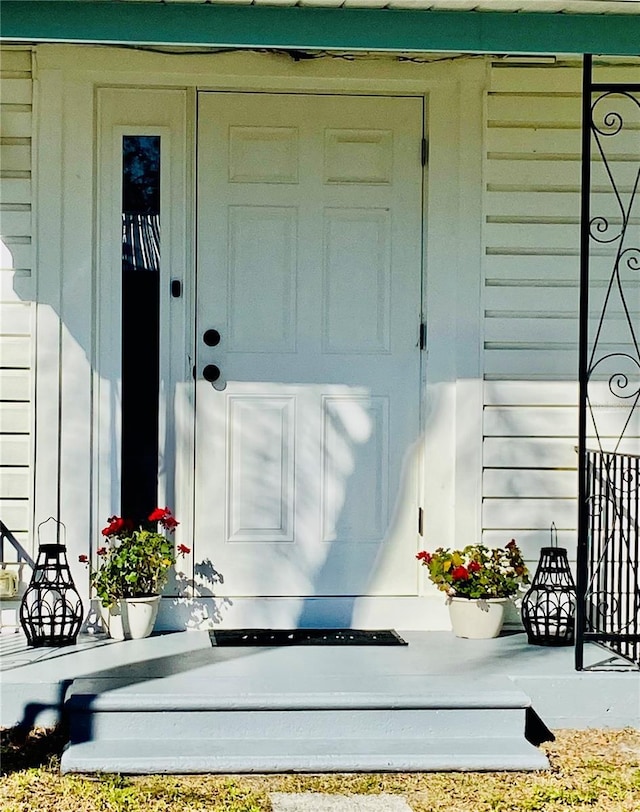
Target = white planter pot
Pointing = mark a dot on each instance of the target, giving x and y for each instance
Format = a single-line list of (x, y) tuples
[(131, 618), (477, 619)]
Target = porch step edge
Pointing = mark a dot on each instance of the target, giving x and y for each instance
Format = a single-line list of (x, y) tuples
[(229, 693), (314, 755), (414, 724)]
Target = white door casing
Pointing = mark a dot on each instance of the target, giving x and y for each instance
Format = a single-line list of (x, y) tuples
[(70, 83), (309, 266)]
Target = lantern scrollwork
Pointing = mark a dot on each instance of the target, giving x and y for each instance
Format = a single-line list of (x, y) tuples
[(51, 609), (549, 606)]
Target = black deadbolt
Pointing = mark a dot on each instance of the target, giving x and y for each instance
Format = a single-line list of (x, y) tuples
[(211, 338), (211, 373)]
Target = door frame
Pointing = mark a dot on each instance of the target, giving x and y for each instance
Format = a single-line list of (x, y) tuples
[(140, 111), (66, 277)]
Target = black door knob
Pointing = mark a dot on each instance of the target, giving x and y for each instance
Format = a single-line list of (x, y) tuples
[(211, 373), (211, 338)]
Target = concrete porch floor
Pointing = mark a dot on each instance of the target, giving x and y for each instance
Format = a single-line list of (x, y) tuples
[(34, 682)]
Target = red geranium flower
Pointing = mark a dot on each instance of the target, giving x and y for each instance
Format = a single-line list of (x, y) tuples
[(83, 559), (184, 549), (423, 555), (460, 574), (165, 517), (474, 566), (115, 526), (102, 550), (169, 523)]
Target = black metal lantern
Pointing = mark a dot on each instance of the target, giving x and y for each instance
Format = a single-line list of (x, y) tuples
[(51, 609), (548, 608)]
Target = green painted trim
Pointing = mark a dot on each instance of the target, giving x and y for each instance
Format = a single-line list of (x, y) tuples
[(317, 28)]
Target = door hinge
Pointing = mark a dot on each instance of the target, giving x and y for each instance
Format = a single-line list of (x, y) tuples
[(420, 521), (422, 341), (424, 152)]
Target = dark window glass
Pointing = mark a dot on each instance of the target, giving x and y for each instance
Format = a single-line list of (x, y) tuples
[(140, 323)]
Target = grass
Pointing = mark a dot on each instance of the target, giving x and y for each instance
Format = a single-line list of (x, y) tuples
[(591, 771)]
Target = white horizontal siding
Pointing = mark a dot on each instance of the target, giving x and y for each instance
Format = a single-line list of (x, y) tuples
[(15, 351), (544, 80), (14, 482), (15, 385), (12, 280), (16, 307), (16, 191), (16, 155), (15, 514), (14, 418), (539, 453), (531, 299), (532, 513), (529, 483), (16, 318), (17, 88), (15, 450), (530, 541)]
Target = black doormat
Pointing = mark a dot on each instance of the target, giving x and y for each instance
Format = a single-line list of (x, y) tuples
[(306, 637)]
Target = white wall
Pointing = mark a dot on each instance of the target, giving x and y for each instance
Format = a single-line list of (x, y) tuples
[(501, 259), (531, 299), (16, 307)]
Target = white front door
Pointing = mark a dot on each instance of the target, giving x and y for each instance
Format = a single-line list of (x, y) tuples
[(309, 269)]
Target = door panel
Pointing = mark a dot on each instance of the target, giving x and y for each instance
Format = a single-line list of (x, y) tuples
[(309, 266)]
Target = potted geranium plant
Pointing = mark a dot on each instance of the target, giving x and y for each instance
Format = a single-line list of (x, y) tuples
[(133, 567), (479, 581)]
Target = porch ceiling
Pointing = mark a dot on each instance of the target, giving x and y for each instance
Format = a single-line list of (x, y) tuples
[(610, 27), (529, 6), (551, 6)]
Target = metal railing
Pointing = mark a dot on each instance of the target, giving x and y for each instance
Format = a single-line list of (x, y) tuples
[(611, 604), (607, 585), (20, 555)]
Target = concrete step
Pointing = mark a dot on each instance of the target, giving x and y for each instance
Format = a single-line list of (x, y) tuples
[(296, 725), (142, 756), (299, 690), (322, 723)]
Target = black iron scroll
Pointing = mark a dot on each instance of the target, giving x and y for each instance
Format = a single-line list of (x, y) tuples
[(608, 563)]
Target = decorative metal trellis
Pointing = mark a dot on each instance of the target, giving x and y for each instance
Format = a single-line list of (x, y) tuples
[(16, 551), (608, 566)]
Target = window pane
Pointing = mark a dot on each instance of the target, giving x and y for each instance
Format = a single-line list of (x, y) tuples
[(140, 323), (141, 203)]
